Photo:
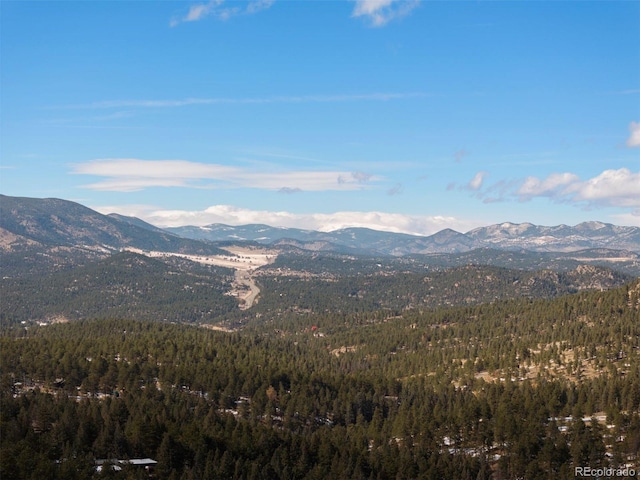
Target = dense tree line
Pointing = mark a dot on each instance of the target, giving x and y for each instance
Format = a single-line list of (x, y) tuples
[(371, 395)]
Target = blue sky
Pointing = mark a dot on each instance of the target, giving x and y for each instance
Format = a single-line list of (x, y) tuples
[(408, 116)]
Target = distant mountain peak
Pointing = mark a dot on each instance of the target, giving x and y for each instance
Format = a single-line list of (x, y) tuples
[(592, 225)]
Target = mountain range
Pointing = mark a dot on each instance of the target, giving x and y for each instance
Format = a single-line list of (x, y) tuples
[(504, 236), (31, 221)]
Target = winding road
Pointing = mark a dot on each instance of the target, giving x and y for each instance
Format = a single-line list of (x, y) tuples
[(244, 278)]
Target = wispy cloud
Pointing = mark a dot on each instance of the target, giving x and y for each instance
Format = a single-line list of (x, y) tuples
[(289, 190), (186, 102), (460, 154), (634, 135), (377, 12), (197, 12), (231, 215), (632, 218), (258, 5), (360, 177), (631, 91), (98, 119), (397, 189), (381, 12), (220, 10), (131, 174), (476, 182)]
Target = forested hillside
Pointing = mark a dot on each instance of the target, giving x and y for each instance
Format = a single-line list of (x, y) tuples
[(620, 261), (325, 284), (123, 285), (171, 288), (516, 389)]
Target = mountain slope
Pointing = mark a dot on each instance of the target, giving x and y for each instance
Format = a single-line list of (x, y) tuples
[(55, 222), (137, 222), (40, 234)]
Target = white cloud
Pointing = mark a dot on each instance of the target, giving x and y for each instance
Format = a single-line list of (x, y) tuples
[(476, 182), (133, 167), (550, 186), (634, 136), (611, 188), (231, 215), (196, 12), (131, 174), (381, 12), (216, 9)]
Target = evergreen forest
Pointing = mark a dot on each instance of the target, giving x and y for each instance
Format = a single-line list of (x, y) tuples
[(516, 388)]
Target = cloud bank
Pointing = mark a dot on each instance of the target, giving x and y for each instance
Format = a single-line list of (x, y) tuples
[(230, 215)]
